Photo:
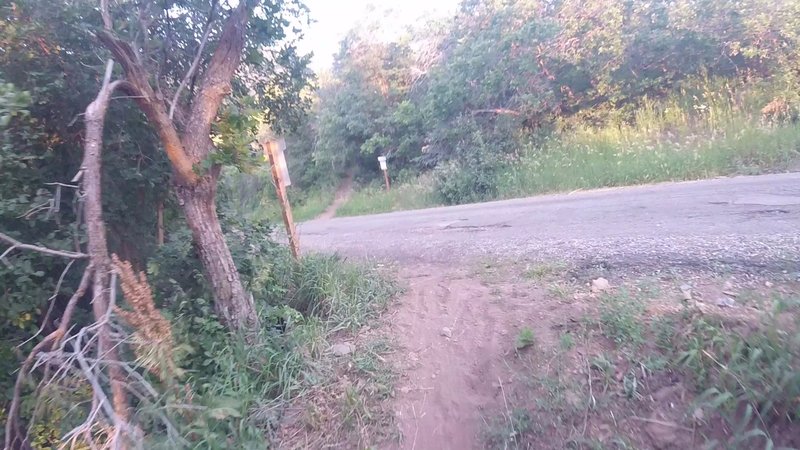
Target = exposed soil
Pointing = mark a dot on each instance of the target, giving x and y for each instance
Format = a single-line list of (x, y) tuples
[(343, 193), (463, 383), (455, 332)]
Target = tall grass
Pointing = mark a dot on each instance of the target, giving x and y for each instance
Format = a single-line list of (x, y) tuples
[(374, 199), (252, 196), (580, 163), (240, 384), (707, 129), (710, 131), (308, 205)]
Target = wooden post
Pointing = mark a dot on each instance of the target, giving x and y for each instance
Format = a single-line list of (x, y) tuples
[(385, 169), (271, 150), (160, 223)]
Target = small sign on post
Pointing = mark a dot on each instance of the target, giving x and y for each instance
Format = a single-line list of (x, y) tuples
[(273, 151), (385, 169), (280, 161)]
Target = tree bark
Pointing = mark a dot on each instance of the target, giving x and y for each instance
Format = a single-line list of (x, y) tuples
[(233, 305), (160, 223), (97, 246), (185, 150)]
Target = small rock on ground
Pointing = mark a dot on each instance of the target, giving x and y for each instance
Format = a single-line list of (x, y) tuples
[(446, 332), (726, 302), (342, 348), (600, 285)]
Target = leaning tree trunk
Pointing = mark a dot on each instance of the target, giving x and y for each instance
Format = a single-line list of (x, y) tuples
[(193, 146), (232, 303), (97, 246)]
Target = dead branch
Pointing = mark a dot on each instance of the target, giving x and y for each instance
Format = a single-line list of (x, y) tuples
[(15, 244), (52, 302), (107, 23), (503, 111), (97, 246), (50, 341)]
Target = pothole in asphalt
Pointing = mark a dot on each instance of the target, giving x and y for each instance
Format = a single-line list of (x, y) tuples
[(477, 227)]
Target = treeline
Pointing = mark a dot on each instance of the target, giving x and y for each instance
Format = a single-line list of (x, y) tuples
[(179, 373), (466, 94)]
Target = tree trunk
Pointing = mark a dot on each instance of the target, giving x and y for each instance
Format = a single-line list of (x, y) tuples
[(160, 223), (233, 305), (191, 147), (97, 246)]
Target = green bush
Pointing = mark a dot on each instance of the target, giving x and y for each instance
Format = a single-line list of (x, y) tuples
[(239, 383), (472, 176), (760, 368)]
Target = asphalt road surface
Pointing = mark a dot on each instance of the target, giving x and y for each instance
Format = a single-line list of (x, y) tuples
[(740, 222)]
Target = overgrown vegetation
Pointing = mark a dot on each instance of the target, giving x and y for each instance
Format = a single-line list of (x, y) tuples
[(683, 137), (645, 371), (244, 384), (159, 367), (507, 99)]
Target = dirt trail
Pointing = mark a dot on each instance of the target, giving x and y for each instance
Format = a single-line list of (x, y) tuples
[(455, 332), (456, 325), (343, 193)]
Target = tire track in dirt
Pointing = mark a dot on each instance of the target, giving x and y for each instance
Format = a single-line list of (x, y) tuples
[(450, 376)]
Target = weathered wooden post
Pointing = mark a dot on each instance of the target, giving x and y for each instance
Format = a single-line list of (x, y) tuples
[(385, 169), (274, 152)]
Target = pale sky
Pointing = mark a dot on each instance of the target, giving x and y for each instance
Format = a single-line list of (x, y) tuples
[(334, 18)]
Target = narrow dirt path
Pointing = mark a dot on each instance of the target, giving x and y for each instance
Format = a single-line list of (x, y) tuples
[(456, 324), (456, 332), (343, 193)]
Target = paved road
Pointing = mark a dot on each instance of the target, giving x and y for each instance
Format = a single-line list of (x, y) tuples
[(744, 222)]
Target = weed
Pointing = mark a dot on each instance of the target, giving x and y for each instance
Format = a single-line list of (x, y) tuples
[(566, 341), (558, 290), (525, 339), (620, 317), (371, 365), (630, 385), (544, 270), (603, 364), (615, 443), (664, 329), (507, 432), (354, 409), (554, 388), (760, 369), (747, 378), (347, 296)]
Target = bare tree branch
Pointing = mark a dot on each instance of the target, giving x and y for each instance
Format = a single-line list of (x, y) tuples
[(50, 341), (504, 111), (151, 105), (15, 244), (52, 302), (97, 246), (107, 23), (195, 62)]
